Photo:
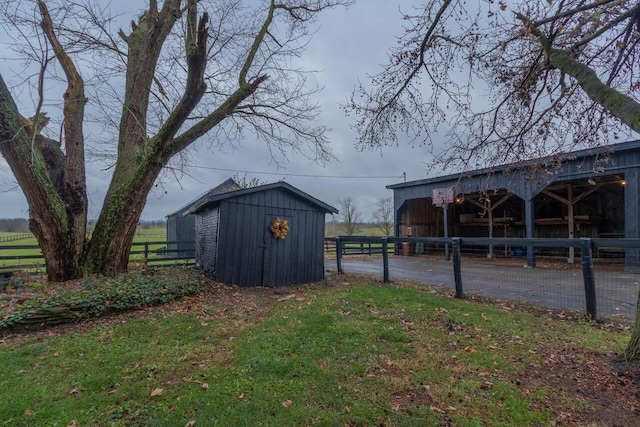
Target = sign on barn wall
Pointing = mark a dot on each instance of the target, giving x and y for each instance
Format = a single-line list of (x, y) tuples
[(442, 196)]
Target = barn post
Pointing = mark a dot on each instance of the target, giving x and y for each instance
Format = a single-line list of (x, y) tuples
[(530, 230), (632, 216), (589, 277)]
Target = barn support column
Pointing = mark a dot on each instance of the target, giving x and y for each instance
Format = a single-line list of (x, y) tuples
[(570, 202), (571, 223), (631, 217), (530, 230)]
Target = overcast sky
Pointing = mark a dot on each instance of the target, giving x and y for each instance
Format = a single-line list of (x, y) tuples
[(348, 45)]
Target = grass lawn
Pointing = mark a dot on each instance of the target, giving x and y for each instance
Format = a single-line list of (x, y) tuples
[(347, 352)]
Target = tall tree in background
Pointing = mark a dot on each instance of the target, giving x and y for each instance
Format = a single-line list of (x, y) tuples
[(350, 215), (184, 70), (383, 216), (510, 81)]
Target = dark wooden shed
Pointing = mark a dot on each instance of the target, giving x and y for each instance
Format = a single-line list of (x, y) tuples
[(242, 237), (181, 226)]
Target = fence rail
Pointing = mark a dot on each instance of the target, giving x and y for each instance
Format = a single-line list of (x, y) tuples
[(538, 284), (356, 246), (156, 254)]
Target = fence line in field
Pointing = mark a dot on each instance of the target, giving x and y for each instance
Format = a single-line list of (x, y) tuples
[(14, 237)]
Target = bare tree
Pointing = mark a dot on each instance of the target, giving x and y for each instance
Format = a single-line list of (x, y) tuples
[(184, 70), (350, 215), (383, 216), (510, 81), (332, 228), (507, 81)]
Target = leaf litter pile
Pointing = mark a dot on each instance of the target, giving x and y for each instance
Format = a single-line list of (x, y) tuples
[(605, 391)]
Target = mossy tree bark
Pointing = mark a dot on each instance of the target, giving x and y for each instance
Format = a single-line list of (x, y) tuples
[(141, 158), (53, 182)]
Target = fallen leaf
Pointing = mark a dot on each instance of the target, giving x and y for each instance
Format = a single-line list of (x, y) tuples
[(205, 386), (156, 392), (287, 403), (28, 412), (76, 390), (73, 424), (241, 396), (469, 349), (486, 385), (114, 391), (190, 423)]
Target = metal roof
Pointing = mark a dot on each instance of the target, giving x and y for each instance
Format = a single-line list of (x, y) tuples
[(215, 199), (228, 185), (574, 157)]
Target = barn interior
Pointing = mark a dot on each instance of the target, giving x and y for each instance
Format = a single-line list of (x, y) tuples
[(593, 207)]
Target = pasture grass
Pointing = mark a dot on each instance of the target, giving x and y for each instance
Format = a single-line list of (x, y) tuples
[(351, 352)]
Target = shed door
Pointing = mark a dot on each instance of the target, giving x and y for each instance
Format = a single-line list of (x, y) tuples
[(277, 257)]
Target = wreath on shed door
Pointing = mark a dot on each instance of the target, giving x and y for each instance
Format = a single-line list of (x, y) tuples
[(280, 228)]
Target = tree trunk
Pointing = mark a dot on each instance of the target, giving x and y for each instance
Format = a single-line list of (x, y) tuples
[(110, 245), (632, 352), (57, 213)]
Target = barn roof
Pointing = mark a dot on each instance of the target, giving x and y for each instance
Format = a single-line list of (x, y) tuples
[(572, 158), (228, 185), (215, 199)]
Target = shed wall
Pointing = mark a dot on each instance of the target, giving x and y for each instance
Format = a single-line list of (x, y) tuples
[(249, 255), (181, 234), (207, 229)]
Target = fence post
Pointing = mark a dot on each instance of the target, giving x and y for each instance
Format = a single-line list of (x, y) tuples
[(457, 266), (339, 254), (589, 277), (385, 260)]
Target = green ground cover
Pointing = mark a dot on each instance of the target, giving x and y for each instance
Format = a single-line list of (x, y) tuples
[(348, 352)]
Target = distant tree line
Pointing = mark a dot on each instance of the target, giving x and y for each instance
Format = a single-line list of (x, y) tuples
[(14, 225)]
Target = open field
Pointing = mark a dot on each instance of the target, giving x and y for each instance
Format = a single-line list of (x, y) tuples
[(345, 352)]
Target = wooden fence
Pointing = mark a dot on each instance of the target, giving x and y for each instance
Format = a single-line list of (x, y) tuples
[(155, 254), (355, 247)]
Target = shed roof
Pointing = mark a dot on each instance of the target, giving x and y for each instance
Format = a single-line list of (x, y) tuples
[(228, 185), (215, 199), (574, 156)]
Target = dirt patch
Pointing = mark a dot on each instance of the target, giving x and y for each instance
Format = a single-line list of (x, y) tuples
[(609, 389)]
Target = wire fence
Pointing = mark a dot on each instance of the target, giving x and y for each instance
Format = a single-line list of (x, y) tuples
[(592, 275)]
